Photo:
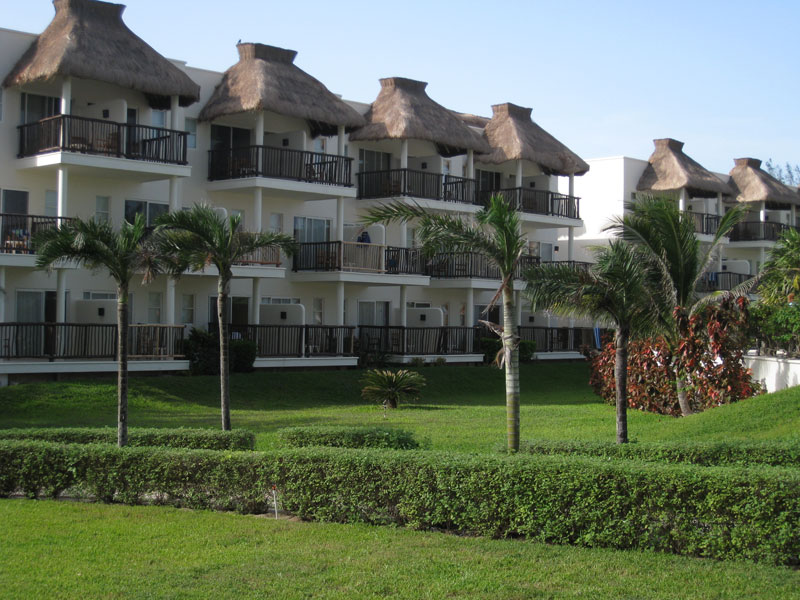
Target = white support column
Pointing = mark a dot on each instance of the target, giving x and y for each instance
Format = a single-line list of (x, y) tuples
[(470, 164), (2, 294), (403, 234), (305, 140), (175, 113), (258, 194), (340, 140), (469, 315), (169, 313), (682, 200), (63, 191), (255, 304), (61, 295), (339, 219), (339, 303), (572, 186), (570, 243), (258, 138), (518, 182), (720, 256), (174, 194), (404, 154), (762, 212), (517, 309), (403, 306), (66, 95)]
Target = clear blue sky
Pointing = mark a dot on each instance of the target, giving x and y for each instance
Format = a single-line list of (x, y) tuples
[(605, 77)]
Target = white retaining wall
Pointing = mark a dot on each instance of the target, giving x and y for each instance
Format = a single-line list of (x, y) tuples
[(777, 373)]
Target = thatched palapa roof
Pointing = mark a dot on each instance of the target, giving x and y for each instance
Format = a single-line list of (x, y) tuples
[(266, 79), (753, 184), (88, 39), (671, 170), (403, 111), (512, 135)]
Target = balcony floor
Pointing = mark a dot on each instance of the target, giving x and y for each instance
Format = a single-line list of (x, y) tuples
[(358, 277), (282, 188), (104, 166)]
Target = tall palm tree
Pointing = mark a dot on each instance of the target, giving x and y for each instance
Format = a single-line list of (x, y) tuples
[(617, 289), (780, 279), (124, 254), (196, 238), (497, 235), (667, 237)]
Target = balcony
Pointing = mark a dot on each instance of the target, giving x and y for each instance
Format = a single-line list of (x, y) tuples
[(559, 339), (67, 133), (751, 231), (416, 184), (721, 281), (275, 341), (358, 257), (17, 231), (264, 257), (54, 341), (280, 163), (539, 202), (704, 223), (419, 340), (575, 264), (471, 265)]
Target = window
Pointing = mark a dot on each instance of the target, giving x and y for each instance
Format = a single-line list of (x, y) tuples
[(150, 210), (99, 295), (187, 308), (411, 237), (320, 145), (131, 116), (50, 203), (418, 304), (276, 223), (158, 118), (371, 160), (318, 316), (34, 107), (101, 209), (15, 202), (309, 229), (190, 126), (279, 300), (223, 137), (373, 313), (154, 307), (487, 180)]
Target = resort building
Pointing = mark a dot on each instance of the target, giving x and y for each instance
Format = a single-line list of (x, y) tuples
[(95, 124)]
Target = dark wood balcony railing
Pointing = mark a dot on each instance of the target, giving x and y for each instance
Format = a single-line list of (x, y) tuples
[(295, 340), (748, 231), (418, 340), (704, 223), (416, 184), (540, 202), (356, 257), (722, 280), (17, 231), (467, 265), (404, 261), (280, 163), (69, 133), (559, 339), (262, 257), (88, 341)]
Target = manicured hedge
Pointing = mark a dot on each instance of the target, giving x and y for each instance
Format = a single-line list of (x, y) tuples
[(723, 513), (697, 453), (199, 439), (347, 437)]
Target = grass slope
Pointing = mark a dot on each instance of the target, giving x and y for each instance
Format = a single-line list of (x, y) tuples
[(71, 550), (462, 408)]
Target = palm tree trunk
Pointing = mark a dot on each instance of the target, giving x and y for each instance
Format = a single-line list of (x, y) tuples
[(122, 365), (511, 353), (683, 395), (223, 288), (621, 383)]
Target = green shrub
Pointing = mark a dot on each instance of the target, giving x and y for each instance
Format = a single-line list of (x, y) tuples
[(202, 350), (786, 454), (725, 513), (347, 437), (492, 345), (206, 439), (243, 355), (527, 349)]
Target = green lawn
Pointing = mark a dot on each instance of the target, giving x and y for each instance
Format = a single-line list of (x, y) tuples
[(462, 408), (77, 550)]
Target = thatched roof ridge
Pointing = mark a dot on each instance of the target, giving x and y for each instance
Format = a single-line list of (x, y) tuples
[(754, 184), (88, 39), (266, 78), (512, 135), (404, 111), (669, 170)]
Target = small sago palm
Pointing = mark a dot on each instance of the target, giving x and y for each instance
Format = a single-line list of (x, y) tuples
[(618, 289), (497, 235), (670, 245), (124, 253), (200, 237), (389, 388)]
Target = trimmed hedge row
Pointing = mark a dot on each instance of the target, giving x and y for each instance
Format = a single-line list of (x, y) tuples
[(199, 439), (697, 453), (715, 512), (347, 437)]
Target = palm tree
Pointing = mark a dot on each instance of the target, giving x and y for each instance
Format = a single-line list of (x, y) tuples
[(780, 279), (196, 238), (617, 289), (124, 254), (667, 237), (497, 235)]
